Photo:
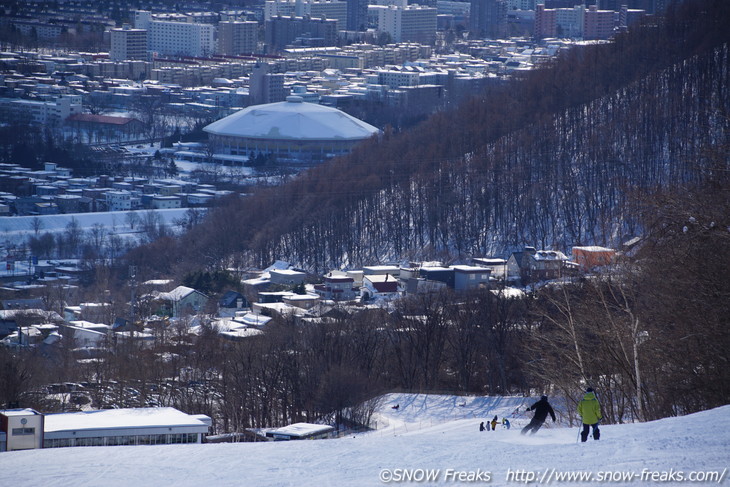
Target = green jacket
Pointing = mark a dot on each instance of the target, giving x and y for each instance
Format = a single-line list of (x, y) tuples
[(589, 409)]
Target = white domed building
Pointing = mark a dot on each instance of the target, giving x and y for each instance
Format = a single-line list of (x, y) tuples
[(291, 130)]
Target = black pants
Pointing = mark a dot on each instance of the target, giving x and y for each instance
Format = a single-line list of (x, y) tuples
[(586, 427), (533, 426)]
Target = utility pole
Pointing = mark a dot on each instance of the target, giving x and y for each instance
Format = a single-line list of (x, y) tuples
[(133, 287)]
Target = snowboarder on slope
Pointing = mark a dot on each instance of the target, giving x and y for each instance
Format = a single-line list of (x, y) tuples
[(541, 408), (481, 426), (505, 423), (589, 411)]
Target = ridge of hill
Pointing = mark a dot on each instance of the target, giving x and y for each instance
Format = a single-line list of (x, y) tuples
[(563, 156)]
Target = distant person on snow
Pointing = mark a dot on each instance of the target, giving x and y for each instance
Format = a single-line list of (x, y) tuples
[(494, 423), (481, 426), (505, 423), (541, 408), (590, 413), (396, 407)]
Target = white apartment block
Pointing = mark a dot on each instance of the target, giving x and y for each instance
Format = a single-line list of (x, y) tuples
[(315, 9), (118, 200), (522, 4), (50, 113), (166, 202), (414, 23), (128, 43), (235, 37), (178, 37), (570, 21), (142, 19), (394, 79), (181, 39), (396, 3)]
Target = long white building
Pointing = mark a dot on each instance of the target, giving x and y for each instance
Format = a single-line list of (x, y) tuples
[(25, 429), (176, 38)]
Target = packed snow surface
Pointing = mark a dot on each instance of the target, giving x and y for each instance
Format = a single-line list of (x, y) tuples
[(434, 435)]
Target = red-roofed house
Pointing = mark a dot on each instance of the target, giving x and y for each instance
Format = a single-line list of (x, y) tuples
[(385, 286), (105, 128)]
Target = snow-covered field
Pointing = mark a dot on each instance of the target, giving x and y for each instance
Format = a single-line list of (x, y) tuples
[(436, 436)]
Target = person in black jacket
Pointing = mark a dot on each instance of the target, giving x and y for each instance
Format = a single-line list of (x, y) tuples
[(541, 408)]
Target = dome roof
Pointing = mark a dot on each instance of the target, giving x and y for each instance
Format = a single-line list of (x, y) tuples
[(292, 119)]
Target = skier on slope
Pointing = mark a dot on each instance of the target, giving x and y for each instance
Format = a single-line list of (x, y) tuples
[(590, 412), (541, 408)]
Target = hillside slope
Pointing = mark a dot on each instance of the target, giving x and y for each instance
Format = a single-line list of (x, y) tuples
[(562, 157), (698, 442)]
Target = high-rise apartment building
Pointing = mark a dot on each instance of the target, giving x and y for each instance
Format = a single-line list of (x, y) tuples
[(413, 23), (266, 87), (357, 15), (283, 31), (578, 22), (545, 22), (128, 43), (599, 24), (180, 37), (488, 18), (236, 37)]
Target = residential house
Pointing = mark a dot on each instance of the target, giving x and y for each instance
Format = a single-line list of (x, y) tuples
[(438, 273), (468, 277), (11, 319), (497, 267), (589, 257), (232, 300), (379, 286), (182, 300), (531, 265), (304, 301), (286, 276), (337, 287)]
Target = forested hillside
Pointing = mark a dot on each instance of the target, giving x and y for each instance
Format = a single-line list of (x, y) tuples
[(566, 155)]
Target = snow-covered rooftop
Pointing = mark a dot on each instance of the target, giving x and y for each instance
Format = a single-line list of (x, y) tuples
[(302, 429), (18, 412), (177, 294), (119, 418)]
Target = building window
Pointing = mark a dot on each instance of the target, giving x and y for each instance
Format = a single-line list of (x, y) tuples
[(23, 431)]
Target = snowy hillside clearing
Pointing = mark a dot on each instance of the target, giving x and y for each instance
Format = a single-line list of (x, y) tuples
[(697, 444)]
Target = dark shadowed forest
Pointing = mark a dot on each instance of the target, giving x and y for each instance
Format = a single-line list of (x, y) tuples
[(563, 156)]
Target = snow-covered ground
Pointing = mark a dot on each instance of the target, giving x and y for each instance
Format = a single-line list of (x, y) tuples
[(428, 435)]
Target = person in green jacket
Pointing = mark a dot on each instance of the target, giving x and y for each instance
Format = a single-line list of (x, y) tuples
[(590, 412)]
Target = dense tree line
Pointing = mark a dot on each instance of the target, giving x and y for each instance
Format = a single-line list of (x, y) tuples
[(652, 334), (296, 370), (649, 333)]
